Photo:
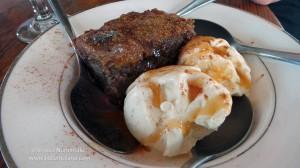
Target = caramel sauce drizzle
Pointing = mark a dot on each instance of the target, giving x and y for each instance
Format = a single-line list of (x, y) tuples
[(222, 51), (154, 137), (194, 89), (244, 81), (217, 73), (207, 39), (203, 42), (157, 97), (184, 126), (211, 107), (156, 72)]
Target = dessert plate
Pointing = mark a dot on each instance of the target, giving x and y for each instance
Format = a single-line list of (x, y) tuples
[(37, 128)]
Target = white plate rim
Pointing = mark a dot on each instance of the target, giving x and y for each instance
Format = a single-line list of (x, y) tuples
[(10, 163)]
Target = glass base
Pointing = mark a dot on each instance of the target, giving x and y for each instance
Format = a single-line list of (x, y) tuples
[(32, 28)]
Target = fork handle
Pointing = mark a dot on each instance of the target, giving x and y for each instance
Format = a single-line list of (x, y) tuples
[(60, 14), (195, 4), (289, 57)]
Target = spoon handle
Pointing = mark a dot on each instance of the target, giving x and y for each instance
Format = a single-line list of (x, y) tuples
[(195, 4), (273, 54), (60, 14), (197, 161)]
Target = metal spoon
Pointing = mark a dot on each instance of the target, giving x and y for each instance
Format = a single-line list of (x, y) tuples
[(232, 133), (95, 115), (213, 29)]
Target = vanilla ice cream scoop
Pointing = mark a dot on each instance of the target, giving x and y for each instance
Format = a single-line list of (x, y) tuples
[(171, 108), (215, 57)]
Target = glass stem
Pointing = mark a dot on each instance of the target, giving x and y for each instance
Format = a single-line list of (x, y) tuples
[(41, 10)]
